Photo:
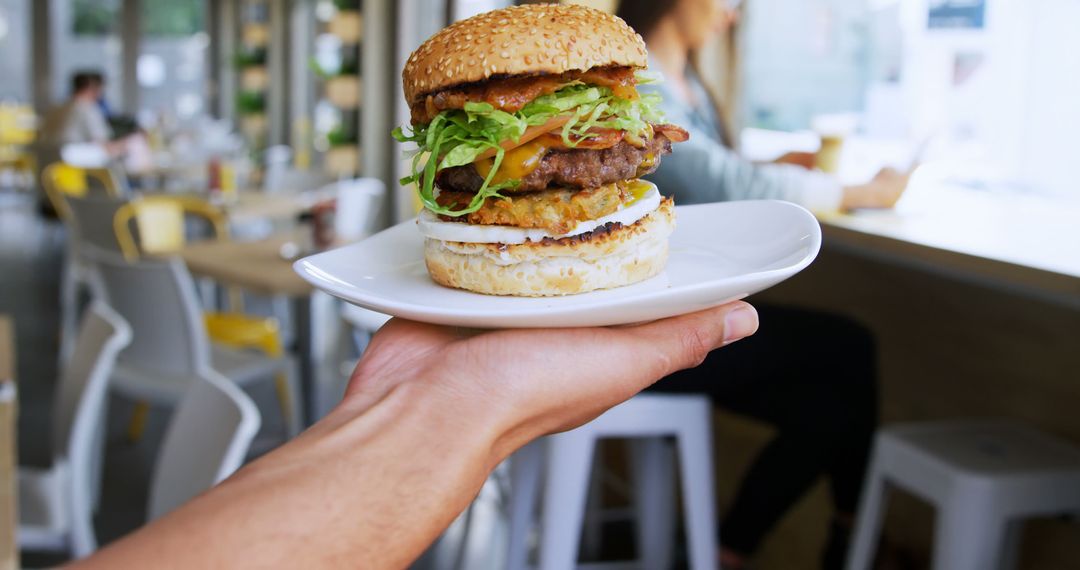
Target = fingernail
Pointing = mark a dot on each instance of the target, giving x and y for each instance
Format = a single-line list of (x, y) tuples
[(740, 323)]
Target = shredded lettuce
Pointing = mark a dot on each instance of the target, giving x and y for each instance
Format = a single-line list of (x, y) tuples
[(456, 137)]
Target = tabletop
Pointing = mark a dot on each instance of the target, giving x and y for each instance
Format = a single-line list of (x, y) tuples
[(1025, 240), (253, 265), (259, 205)]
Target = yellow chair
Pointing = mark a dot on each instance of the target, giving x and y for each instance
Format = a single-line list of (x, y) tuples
[(18, 125), (160, 223), (61, 180)]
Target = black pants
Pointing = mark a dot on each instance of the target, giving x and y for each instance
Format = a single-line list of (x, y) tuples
[(811, 376)]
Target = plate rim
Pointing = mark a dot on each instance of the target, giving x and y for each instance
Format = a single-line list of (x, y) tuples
[(300, 266)]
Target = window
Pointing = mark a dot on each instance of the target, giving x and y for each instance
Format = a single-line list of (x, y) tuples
[(987, 85), (171, 68), (85, 35), (15, 50)]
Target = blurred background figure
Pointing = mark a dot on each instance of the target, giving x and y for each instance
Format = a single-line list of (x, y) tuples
[(707, 169), (818, 390), (83, 117)]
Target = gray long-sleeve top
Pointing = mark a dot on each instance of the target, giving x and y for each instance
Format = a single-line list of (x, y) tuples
[(703, 169)]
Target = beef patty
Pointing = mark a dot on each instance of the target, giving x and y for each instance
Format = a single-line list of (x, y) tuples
[(571, 168)]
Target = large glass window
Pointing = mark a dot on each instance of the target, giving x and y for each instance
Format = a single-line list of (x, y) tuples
[(171, 68), (85, 35), (990, 86), (15, 50)]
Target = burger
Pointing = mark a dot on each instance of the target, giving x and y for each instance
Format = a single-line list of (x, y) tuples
[(530, 138)]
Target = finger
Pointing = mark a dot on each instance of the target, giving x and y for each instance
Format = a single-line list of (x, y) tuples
[(683, 342)]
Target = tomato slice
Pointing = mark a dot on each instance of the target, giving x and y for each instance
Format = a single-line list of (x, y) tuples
[(528, 136), (599, 138)]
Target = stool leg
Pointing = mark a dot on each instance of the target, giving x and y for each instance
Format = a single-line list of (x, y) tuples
[(569, 457), (525, 466), (1010, 548), (654, 500), (968, 535), (593, 525), (875, 495), (699, 506)]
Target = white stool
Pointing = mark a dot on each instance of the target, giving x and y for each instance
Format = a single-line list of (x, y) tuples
[(984, 477), (565, 460)]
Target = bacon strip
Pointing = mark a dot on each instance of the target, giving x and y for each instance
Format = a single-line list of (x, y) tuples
[(674, 133), (512, 93)]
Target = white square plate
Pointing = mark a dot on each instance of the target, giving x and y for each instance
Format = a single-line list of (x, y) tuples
[(719, 252)]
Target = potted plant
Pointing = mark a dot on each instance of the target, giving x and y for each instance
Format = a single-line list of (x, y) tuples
[(251, 107), (343, 156), (343, 86), (255, 34), (252, 66), (347, 24)]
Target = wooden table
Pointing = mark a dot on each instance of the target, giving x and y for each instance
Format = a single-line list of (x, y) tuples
[(285, 206), (258, 267), (9, 519)]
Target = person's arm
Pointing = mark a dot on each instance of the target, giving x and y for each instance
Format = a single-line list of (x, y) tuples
[(702, 170), (428, 414)]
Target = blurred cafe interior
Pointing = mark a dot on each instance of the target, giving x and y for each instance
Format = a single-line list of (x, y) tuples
[(910, 400)]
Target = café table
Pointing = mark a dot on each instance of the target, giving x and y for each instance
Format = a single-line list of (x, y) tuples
[(9, 520), (258, 267), (1021, 241), (254, 205)]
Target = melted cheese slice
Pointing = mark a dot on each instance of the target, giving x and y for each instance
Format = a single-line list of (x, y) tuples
[(432, 227)]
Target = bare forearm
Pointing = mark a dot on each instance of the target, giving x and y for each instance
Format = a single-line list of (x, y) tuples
[(371, 490)]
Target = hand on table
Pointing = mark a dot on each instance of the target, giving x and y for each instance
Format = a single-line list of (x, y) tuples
[(883, 191), (806, 160)]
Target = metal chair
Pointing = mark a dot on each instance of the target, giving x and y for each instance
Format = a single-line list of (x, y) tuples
[(172, 346), (206, 441), (160, 224), (56, 504)]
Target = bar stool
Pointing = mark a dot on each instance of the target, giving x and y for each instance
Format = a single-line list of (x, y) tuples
[(560, 464), (984, 477)]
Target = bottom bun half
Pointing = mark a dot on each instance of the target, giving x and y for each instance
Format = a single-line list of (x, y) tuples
[(604, 258)]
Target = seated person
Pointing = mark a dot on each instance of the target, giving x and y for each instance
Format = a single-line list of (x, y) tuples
[(809, 375), (81, 119)]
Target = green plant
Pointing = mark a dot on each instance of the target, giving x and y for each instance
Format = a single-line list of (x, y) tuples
[(249, 58), (350, 67), (339, 137), (342, 5), (250, 103)]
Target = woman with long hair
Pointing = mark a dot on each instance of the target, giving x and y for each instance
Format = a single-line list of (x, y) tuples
[(809, 375)]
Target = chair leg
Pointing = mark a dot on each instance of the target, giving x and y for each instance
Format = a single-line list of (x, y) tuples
[(569, 458), (287, 402), (1010, 549), (593, 525), (968, 536), (653, 462), (872, 506), (137, 424), (69, 292), (525, 468), (699, 506)]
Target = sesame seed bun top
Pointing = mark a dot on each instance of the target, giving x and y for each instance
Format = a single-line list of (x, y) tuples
[(521, 40)]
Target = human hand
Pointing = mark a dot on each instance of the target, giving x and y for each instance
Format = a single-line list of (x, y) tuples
[(803, 159), (883, 191), (522, 384)]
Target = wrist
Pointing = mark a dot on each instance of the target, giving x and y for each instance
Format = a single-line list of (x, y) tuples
[(854, 197)]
